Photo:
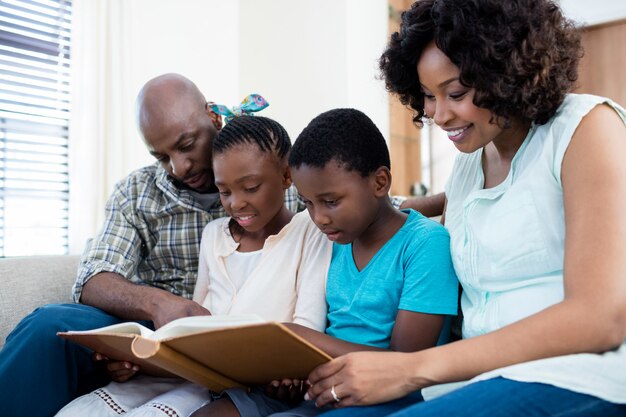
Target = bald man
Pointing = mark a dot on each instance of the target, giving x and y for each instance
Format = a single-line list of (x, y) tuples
[(142, 266)]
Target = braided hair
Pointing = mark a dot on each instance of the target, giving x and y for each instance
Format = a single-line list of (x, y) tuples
[(266, 133)]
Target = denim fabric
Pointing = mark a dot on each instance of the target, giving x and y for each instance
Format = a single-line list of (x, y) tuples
[(254, 403), (39, 371), (500, 397), (379, 409)]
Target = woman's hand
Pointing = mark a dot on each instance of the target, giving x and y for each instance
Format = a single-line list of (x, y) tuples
[(364, 378)]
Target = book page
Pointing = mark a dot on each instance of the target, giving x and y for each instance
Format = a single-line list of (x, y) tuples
[(120, 328), (193, 324)]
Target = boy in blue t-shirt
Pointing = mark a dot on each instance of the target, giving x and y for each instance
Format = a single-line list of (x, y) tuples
[(391, 281)]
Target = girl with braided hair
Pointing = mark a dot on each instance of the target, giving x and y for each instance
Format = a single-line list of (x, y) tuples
[(263, 259)]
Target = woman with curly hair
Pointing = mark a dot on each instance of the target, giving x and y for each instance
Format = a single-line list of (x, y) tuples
[(535, 210)]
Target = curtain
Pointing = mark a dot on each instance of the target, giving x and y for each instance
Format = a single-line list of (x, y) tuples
[(102, 126)]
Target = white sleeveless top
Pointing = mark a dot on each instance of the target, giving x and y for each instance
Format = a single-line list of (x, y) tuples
[(507, 245)]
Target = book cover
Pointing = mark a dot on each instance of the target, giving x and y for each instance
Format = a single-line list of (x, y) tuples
[(218, 352)]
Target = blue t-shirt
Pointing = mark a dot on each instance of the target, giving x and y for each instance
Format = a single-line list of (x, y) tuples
[(413, 271)]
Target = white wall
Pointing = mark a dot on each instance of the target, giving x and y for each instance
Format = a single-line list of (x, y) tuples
[(304, 56), (307, 57), (117, 46), (187, 37), (586, 12)]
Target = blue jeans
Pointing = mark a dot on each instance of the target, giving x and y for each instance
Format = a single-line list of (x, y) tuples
[(39, 371), (499, 397)]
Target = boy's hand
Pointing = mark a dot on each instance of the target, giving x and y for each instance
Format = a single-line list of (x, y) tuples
[(290, 391), (119, 371)]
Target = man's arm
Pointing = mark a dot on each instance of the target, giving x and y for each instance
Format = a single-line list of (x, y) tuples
[(115, 254), (116, 295), (429, 206)]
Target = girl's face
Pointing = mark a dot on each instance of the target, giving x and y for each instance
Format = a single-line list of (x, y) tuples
[(449, 103), (252, 185)]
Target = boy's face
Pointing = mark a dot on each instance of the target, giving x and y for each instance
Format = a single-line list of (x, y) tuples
[(342, 203)]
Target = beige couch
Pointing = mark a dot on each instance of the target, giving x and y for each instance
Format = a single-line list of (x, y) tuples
[(30, 282)]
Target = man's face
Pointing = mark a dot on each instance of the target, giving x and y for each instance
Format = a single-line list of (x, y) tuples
[(181, 137)]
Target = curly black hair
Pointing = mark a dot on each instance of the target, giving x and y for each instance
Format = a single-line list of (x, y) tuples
[(346, 136), (520, 56), (268, 134)]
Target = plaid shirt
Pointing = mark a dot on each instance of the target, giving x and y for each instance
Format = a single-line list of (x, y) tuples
[(151, 235)]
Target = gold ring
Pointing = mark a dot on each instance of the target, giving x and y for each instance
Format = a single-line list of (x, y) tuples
[(334, 394)]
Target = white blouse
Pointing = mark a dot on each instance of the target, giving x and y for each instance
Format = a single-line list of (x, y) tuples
[(507, 245), (288, 283)]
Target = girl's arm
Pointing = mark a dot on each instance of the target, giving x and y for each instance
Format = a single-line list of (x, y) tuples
[(591, 318)]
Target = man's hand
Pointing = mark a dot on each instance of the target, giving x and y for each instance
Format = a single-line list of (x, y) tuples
[(429, 206), (117, 296), (175, 308)]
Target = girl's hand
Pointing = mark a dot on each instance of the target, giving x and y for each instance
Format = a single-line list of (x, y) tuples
[(119, 371), (363, 378)]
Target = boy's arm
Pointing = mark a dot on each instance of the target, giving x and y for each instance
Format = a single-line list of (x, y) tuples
[(430, 284), (415, 331), (411, 332), (332, 346)]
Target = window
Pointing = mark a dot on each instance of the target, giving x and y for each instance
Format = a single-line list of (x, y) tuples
[(34, 122)]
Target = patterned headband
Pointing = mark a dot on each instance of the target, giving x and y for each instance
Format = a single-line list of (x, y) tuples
[(252, 103)]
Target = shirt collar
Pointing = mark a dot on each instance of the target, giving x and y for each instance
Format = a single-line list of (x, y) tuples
[(168, 185)]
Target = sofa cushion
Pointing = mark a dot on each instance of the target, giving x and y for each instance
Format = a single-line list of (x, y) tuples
[(32, 281)]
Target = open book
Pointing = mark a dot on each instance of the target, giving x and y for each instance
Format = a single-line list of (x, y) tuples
[(218, 352)]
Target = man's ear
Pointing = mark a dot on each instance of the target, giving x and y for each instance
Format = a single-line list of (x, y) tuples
[(216, 119), (287, 181), (382, 181)]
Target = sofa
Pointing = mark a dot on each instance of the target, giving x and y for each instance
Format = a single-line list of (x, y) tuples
[(32, 281)]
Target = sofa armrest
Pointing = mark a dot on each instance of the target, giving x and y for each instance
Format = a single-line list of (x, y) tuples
[(32, 281)]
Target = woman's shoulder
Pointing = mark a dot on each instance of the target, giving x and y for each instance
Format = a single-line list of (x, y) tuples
[(575, 107), (556, 135), (466, 173)]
